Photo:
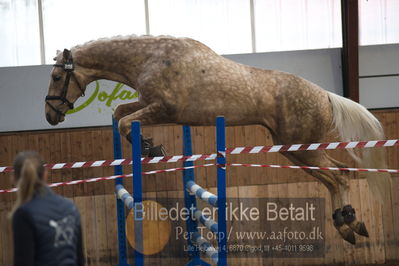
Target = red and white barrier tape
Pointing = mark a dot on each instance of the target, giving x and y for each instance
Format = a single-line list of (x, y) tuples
[(316, 168), (144, 160), (96, 179), (238, 150), (315, 146)]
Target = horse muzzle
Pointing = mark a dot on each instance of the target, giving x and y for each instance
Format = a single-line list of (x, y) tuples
[(51, 119), (54, 118)]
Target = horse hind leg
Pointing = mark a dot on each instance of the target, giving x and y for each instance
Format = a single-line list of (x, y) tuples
[(347, 211), (336, 183), (345, 218)]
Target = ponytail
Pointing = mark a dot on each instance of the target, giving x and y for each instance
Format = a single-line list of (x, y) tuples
[(29, 175)]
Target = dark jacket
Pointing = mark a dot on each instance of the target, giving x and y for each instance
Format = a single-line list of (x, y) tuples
[(47, 231)]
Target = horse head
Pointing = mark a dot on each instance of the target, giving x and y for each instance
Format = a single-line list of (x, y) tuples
[(64, 88)]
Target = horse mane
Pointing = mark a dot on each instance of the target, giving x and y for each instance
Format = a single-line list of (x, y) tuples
[(122, 38)]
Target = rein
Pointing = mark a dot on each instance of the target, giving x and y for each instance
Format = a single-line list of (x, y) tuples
[(68, 67)]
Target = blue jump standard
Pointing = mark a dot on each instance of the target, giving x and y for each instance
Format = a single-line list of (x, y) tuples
[(125, 197), (221, 188), (189, 200), (206, 220), (137, 192), (202, 193), (218, 256), (120, 209)]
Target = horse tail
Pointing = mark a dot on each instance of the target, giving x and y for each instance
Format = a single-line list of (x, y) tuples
[(354, 122)]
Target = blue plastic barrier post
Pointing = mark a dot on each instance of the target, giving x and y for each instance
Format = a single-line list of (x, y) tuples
[(137, 192), (190, 200), (120, 208), (221, 188)]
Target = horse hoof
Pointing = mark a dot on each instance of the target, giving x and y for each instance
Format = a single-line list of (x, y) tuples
[(146, 143), (349, 214), (359, 228), (156, 151), (129, 138), (344, 230), (350, 237), (347, 234), (338, 218)]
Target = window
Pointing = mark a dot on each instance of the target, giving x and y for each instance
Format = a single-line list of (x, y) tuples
[(73, 22), (297, 24), (378, 21), (19, 33), (225, 25)]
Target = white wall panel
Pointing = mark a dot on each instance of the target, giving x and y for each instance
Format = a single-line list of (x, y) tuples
[(322, 67), (23, 90), (379, 59), (379, 92)]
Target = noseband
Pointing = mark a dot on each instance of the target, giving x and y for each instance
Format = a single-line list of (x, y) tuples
[(68, 67)]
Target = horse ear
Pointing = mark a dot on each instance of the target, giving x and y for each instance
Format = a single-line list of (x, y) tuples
[(66, 54), (57, 53)]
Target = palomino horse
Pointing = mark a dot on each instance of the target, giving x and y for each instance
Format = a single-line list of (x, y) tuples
[(182, 81)]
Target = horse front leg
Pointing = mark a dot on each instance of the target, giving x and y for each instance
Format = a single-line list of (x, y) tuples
[(125, 109), (150, 115)]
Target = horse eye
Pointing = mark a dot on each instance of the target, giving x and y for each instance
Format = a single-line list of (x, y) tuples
[(56, 78)]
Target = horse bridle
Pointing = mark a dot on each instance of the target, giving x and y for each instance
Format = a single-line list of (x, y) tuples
[(68, 67)]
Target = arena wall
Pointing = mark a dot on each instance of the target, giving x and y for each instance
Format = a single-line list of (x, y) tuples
[(96, 201)]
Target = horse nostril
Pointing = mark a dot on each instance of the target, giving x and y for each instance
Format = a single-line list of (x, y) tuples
[(48, 117)]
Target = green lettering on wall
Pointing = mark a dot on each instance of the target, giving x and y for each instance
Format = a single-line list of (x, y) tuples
[(102, 96)]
